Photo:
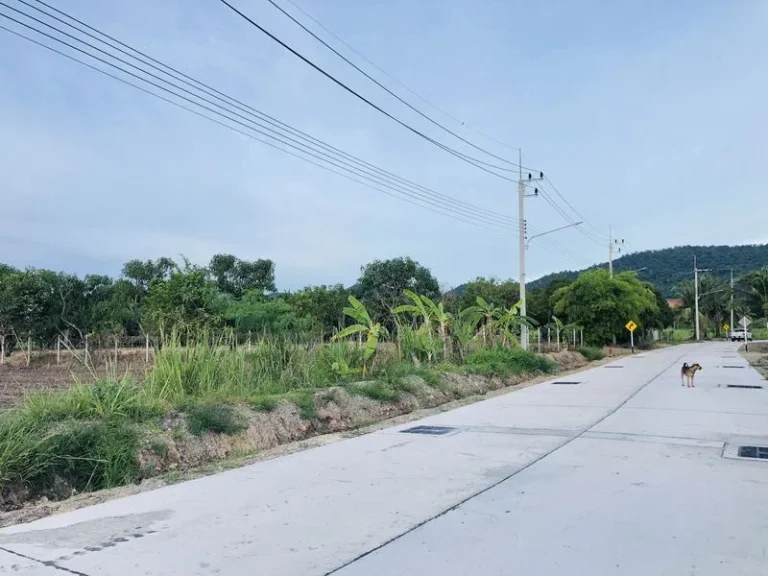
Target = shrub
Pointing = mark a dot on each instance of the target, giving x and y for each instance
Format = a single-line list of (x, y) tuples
[(506, 362), (591, 353)]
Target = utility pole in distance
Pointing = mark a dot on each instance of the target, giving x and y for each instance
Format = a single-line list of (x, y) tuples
[(731, 302), (521, 196), (612, 242), (696, 271)]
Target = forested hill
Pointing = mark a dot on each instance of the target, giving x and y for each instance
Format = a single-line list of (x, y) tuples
[(668, 267)]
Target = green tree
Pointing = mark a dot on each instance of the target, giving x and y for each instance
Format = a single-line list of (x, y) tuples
[(143, 273), (755, 286), (603, 304), (265, 316), (187, 300), (382, 283), (503, 293), (236, 277), (323, 304), (539, 303)]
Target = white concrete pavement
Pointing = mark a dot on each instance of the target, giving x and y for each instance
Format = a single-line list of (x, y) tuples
[(620, 474)]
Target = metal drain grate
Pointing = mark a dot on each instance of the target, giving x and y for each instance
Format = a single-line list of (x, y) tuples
[(430, 430), (613, 366), (564, 382), (750, 386), (756, 452), (731, 366)]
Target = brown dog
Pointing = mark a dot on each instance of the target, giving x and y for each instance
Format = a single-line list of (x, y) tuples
[(688, 373)]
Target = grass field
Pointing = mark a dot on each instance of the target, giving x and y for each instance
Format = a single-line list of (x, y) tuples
[(110, 430)]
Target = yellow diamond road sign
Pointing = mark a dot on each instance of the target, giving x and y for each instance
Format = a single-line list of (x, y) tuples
[(631, 326)]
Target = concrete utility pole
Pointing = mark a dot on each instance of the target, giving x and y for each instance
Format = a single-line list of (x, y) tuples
[(696, 295), (696, 271), (732, 325), (521, 196), (613, 243)]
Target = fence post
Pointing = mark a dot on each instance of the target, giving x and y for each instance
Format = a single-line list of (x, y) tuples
[(58, 349), (29, 350), (558, 338), (146, 348), (86, 349), (2, 349), (574, 337), (582, 336), (539, 332), (549, 339), (249, 341), (115, 350)]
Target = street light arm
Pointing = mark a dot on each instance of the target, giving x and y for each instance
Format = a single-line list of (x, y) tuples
[(551, 231)]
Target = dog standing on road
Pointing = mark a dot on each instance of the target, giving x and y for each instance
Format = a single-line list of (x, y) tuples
[(687, 373)]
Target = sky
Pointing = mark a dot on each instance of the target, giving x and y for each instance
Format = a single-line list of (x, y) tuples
[(649, 117)]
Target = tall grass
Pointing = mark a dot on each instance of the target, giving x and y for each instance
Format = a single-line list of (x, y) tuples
[(508, 362), (88, 437)]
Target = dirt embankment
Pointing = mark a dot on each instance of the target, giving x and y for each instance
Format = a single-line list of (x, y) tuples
[(757, 355), (170, 453)]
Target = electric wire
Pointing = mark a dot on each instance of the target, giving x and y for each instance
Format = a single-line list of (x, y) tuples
[(460, 209), (480, 217), (482, 165), (386, 89)]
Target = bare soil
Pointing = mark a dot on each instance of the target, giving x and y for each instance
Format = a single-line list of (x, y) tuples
[(172, 454), (45, 373)]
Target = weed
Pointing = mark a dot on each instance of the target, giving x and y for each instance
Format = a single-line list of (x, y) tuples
[(305, 400), (159, 448), (381, 391), (265, 403), (506, 362), (218, 418), (591, 354)]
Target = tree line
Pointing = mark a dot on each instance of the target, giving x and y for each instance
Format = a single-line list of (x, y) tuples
[(163, 295)]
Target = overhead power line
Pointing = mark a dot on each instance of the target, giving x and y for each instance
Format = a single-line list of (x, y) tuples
[(482, 165), (227, 100), (399, 82), (460, 208), (386, 89), (340, 163)]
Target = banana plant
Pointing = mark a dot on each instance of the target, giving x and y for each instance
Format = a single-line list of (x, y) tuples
[(365, 326), (511, 318), (487, 313), (421, 307), (464, 330)]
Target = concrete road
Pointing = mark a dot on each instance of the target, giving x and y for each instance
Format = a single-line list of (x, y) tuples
[(624, 473)]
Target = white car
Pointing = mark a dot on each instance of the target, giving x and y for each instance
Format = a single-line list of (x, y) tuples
[(741, 335)]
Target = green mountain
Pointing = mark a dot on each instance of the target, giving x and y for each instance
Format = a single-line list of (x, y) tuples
[(668, 267)]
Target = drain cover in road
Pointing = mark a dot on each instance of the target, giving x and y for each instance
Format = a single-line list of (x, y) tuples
[(572, 383), (750, 386), (613, 366), (430, 430), (731, 366), (757, 452)]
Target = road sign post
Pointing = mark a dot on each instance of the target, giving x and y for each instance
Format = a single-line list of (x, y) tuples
[(631, 326)]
